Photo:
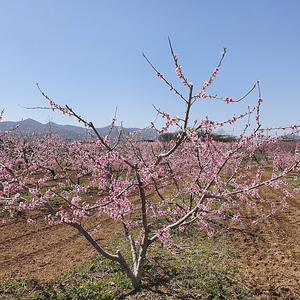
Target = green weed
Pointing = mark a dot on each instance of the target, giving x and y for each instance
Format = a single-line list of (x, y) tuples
[(192, 268)]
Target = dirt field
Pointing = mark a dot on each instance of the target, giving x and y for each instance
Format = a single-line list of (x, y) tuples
[(44, 252), (269, 252)]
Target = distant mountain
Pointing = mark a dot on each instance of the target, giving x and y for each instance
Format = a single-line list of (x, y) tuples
[(70, 131)]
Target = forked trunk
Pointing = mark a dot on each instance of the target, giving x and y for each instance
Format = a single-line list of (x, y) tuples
[(135, 275)]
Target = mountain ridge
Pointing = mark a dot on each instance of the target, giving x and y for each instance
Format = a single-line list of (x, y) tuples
[(71, 131)]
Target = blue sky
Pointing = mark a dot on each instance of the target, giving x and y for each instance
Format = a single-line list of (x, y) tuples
[(88, 54)]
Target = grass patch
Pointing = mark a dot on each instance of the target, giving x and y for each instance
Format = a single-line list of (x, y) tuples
[(293, 180), (192, 268)]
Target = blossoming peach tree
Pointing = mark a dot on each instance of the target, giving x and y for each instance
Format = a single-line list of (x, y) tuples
[(151, 188)]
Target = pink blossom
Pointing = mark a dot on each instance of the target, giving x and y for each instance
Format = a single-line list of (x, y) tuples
[(178, 69), (159, 75), (31, 221)]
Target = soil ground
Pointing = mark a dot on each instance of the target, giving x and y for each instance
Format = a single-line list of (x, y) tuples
[(43, 252), (269, 252)]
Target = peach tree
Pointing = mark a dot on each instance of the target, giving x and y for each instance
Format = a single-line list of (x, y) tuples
[(154, 188)]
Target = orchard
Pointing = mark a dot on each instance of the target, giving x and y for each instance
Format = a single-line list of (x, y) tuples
[(152, 189)]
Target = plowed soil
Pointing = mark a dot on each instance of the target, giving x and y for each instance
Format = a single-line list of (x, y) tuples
[(269, 252), (43, 252)]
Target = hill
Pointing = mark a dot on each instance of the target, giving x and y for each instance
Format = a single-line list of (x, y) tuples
[(71, 131)]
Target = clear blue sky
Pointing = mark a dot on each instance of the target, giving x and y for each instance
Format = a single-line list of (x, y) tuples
[(88, 54)]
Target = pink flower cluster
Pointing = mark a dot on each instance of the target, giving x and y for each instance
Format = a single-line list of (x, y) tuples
[(232, 120), (228, 100), (170, 121), (179, 72), (206, 122), (212, 78), (159, 75), (202, 93)]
